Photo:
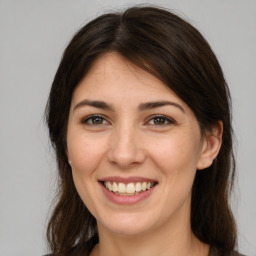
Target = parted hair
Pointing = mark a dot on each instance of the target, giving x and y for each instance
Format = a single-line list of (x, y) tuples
[(168, 47)]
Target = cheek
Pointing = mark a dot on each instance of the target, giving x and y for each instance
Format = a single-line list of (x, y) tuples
[(176, 164), (85, 153), (176, 159), (175, 154)]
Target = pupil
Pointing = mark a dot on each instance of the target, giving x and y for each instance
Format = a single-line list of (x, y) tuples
[(97, 120), (159, 120)]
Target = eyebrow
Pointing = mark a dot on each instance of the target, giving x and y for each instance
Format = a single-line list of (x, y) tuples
[(94, 103), (157, 104), (142, 106)]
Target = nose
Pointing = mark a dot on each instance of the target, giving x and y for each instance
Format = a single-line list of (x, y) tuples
[(126, 148)]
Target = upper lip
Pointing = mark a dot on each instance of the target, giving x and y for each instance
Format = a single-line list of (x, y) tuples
[(126, 180)]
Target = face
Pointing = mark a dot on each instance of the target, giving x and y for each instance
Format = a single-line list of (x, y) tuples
[(134, 148)]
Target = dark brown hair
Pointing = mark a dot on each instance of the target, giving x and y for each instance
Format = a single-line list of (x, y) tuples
[(168, 47)]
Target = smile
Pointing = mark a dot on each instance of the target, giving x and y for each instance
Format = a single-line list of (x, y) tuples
[(129, 189)]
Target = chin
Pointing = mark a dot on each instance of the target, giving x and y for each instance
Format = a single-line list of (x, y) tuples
[(128, 224)]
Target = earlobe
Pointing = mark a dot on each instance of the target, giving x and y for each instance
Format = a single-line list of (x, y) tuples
[(211, 146)]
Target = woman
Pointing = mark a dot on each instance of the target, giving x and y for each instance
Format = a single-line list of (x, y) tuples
[(139, 117)]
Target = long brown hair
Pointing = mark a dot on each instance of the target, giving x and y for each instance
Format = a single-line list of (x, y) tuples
[(168, 47)]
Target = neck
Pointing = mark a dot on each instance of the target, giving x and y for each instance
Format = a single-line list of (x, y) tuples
[(173, 239)]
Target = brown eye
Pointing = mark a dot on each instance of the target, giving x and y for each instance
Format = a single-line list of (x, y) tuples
[(160, 121), (97, 120), (94, 120)]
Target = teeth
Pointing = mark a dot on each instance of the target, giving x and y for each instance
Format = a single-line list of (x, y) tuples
[(144, 186), (109, 186), (138, 187), (115, 188), (121, 188), (128, 189)]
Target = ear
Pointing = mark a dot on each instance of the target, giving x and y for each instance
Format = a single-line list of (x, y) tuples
[(211, 146)]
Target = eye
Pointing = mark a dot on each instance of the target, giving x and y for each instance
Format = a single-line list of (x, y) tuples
[(95, 120), (160, 120)]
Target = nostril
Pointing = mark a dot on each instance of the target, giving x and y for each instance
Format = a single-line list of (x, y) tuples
[(126, 158)]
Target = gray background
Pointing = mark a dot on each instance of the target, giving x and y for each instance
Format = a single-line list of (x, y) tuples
[(33, 35)]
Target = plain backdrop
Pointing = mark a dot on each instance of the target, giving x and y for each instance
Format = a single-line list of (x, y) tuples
[(33, 35)]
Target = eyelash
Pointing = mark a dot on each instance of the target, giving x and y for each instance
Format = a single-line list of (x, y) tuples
[(164, 118)]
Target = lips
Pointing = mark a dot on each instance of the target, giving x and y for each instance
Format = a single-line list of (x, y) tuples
[(127, 190)]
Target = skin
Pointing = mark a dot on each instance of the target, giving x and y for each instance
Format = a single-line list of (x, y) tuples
[(128, 141)]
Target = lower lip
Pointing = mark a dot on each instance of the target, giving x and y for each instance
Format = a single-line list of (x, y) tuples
[(127, 200)]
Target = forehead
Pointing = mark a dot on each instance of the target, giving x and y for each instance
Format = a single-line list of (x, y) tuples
[(113, 74)]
